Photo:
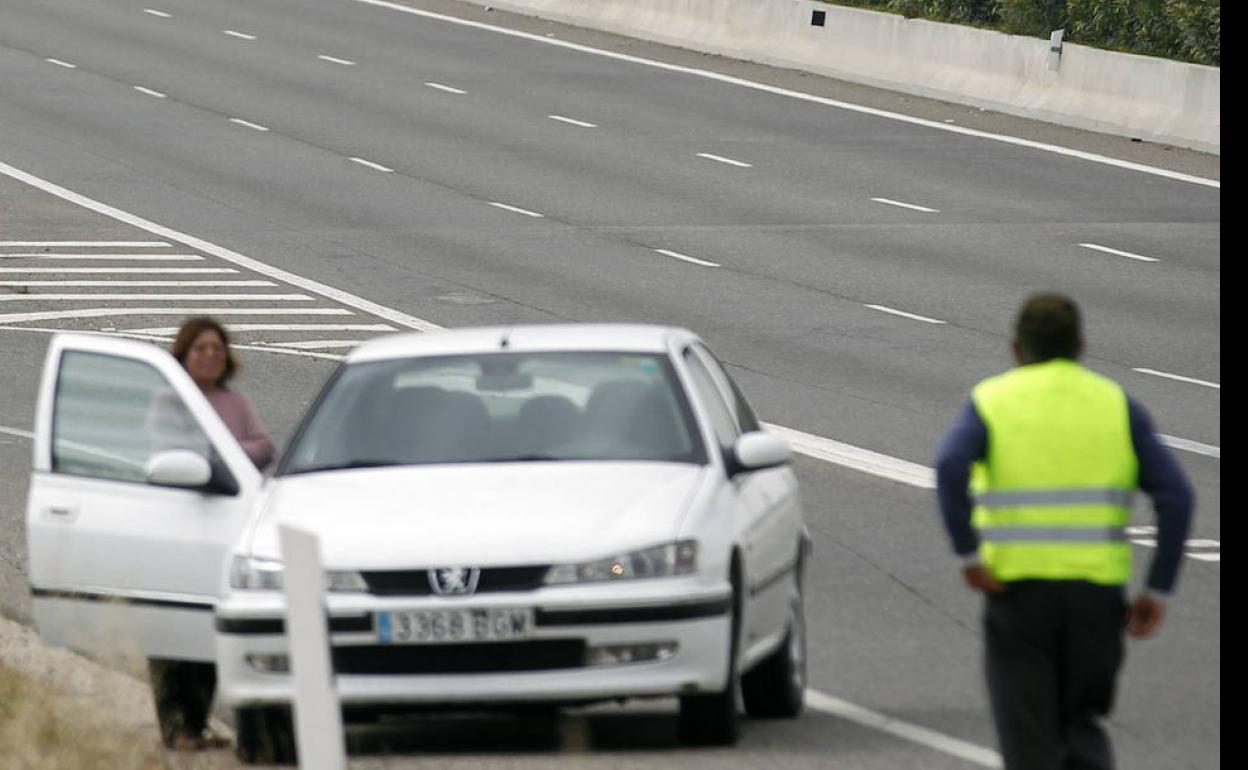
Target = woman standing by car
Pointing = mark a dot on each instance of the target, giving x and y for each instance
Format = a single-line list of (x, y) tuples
[(184, 690)]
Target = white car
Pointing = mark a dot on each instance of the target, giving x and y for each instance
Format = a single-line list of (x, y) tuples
[(516, 515)]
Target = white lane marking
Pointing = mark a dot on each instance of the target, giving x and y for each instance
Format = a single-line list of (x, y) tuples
[(17, 432), (169, 338), (155, 12), (1206, 556), (971, 752), (60, 63), (722, 159), (248, 124), (911, 206), (572, 121), (687, 258), (776, 90), (124, 257), (1179, 377), (239, 35), (317, 344), (448, 89), (149, 92), (165, 331), (335, 59), (106, 312), (1200, 542), (102, 297), (904, 314), (152, 270), (200, 284), (1119, 252), (1187, 445), (199, 244), (372, 165), (857, 458), (516, 209), (101, 244)]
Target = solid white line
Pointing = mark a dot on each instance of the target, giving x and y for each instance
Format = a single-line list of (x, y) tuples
[(60, 63), (882, 465), (240, 35), (516, 209), (124, 257), (372, 165), (971, 752), (1187, 445), (1179, 377), (149, 92), (102, 297), (722, 159), (248, 124), (105, 312), (572, 121), (200, 284), (716, 76), (447, 89), (152, 270), (1118, 252), (687, 258), (154, 12), (911, 206), (335, 60), (101, 244), (904, 314), (168, 330), (199, 244), (17, 432)]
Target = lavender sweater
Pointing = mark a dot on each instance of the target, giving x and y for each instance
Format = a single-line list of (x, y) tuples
[(244, 422)]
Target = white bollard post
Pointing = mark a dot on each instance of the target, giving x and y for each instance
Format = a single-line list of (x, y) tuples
[(318, 718), (1055, 49)]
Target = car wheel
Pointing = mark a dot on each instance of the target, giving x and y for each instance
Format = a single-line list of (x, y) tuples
[(265, 735), (711, 719), (776, 687)]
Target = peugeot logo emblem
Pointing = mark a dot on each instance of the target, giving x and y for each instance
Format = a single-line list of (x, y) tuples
[(454, 581)]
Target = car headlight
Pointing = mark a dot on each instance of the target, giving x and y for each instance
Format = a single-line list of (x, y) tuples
[(668, 560), (254, 574)]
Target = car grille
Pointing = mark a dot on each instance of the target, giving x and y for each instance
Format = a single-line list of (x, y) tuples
[(415, 582), (485, 657)]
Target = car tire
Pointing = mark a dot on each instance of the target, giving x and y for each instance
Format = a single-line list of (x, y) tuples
[(712, 719), (265, 735), (776, 687)]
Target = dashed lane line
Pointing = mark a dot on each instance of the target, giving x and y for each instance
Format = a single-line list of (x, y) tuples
[(249, 124), (60, 63), (103, 297), (1187, 445), (1180, 378), (1119, 252), (88, 257), (904, 314), (161, 14), (726, 161), (904, 205), (372, 165), (149, 92), (100, 244), (446, 88), (115, 283), (165, 331), (117, 270), (106, 312), (239, 35), (336, 60), (687, 258), (572, 121), (515, 209)]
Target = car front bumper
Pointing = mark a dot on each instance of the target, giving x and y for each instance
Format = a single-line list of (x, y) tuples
[(551, 666)]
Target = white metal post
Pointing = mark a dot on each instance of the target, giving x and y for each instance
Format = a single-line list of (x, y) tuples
[(1055, 49), (318, 717)]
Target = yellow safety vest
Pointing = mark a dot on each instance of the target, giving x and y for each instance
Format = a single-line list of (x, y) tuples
[(1053, 496)]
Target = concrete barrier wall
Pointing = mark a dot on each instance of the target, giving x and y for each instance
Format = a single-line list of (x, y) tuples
[(1139, 96)]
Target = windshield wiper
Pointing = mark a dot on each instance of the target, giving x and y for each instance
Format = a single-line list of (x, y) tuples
[(363, 463), (533, 458)]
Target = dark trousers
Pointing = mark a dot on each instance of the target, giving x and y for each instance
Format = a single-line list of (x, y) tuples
[(1053, 651), (183, 693)]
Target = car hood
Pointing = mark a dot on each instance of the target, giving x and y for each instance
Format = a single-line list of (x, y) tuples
[(479, 515)]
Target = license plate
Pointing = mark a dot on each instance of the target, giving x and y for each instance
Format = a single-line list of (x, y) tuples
[(454, 625)]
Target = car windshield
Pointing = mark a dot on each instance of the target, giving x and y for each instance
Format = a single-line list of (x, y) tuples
[(498, 407)]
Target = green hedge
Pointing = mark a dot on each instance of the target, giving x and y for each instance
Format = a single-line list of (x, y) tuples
[(1188, 30)]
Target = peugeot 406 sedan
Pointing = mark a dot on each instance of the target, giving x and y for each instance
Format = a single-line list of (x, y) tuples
[(550, 515)]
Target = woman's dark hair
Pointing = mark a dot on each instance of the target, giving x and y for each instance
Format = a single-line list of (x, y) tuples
[(190, 331), (1049, 327)]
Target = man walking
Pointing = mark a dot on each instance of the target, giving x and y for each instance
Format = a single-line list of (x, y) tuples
[(1035, 481)]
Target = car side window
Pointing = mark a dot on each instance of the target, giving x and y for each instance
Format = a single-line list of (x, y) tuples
[(740, 408), (722, 420), (111, 414)]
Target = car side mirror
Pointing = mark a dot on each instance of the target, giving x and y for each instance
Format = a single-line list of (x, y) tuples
[(757, 450), (179, 468)]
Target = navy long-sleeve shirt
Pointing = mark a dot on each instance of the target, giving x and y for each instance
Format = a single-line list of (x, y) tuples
[(1160, 477)]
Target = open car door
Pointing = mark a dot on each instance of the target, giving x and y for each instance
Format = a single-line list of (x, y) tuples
[(137, 493)]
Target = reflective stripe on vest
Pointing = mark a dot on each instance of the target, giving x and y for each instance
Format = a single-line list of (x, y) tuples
[(1036, 497), (1053, 534)]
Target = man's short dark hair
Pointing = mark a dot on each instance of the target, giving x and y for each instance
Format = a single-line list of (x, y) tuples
[(1049, 327)]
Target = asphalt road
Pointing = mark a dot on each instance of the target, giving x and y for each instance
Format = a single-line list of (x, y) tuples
[(244, 136)]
